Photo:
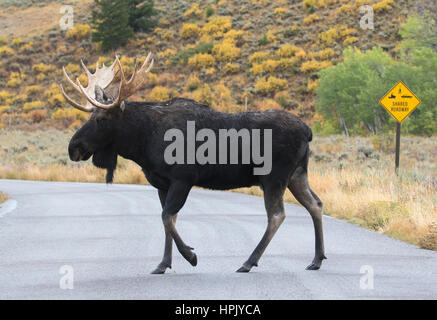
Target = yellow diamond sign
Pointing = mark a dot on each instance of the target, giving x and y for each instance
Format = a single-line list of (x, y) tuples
[(400, 101)]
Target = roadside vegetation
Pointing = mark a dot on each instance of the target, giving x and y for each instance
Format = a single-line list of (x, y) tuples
[(3, 197), (353, 176)]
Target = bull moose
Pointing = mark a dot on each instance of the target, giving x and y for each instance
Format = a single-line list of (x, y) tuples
[(136, 131)]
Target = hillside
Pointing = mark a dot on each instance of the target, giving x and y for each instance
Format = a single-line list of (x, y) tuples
[(217, 52)]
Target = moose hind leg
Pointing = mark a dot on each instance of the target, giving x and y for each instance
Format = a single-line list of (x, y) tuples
[(168, 247), (299, 187), (273, 200)]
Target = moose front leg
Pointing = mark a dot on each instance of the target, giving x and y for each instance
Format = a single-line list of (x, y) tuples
[(175, 199)]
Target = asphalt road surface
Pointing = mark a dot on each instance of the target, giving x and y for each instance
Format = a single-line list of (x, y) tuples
[(107, 239)]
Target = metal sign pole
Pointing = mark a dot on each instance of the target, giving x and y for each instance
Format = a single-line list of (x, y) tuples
[(398, 145)]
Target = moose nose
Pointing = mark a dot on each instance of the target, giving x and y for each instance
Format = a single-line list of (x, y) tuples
[(75, 151)]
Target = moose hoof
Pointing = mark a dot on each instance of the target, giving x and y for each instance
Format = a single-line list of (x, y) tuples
[(246, 267), (313, 266), (160, 269), (190, 256), (243, 269)]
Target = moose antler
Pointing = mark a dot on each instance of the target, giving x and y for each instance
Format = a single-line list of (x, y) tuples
[(126, 88), (102, 77)]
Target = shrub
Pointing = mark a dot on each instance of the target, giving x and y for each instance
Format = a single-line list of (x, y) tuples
[(4, 95), (271, 85), (184, 55), (69, 116), (280, 12), (203, 95), (189, 30), (15, 79), (314, 65), (231, 68), (259, 56), (6, 51), (3, 41), (16, 41), (201, 60), (209, 11), (312, 85), (336, 33), (167, 53), (193, 83), (268, 104), (32, 90), (79, 31), (160, 93), (323, 54), (37, 115), (217, 26), (270, 65), (4, 109), (193, 12), (226, 51), (33, 105), (56, 100), (384, 5), (27, 47), (287, 50), (311, 18), (43, 68), (350, 40), (256, 69)]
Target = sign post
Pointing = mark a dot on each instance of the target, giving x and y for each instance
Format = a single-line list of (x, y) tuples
[(400, 102)]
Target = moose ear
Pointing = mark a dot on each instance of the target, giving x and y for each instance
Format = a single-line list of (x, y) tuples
[(100, 94)]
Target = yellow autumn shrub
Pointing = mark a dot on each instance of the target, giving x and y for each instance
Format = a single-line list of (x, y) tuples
[(33, 105), (311, 18), (32, 90), (160, 93), (217, 26), (193, 12), (79, 31), (226, 51), (384, 5), (314, 65), (201, 60), (189, 30), (259, 56), (270, 85), (231, 68)]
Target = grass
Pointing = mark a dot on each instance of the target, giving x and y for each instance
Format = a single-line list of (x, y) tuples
[(3, 197), (354, 178)]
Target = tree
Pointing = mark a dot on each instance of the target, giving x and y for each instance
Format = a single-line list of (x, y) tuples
[(111, 23), (141, 15)]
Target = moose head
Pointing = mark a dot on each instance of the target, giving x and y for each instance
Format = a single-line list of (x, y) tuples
[(97, 136)]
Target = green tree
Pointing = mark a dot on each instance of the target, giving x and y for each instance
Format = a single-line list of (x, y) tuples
[(142, 15), (111, 23)]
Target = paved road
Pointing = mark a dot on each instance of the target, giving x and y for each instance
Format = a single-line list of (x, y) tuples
[(112, 237)]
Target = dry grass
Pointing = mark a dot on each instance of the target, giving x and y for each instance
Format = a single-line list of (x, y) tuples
[(401, 207), (3, 197), (354, 178), (33, 20)]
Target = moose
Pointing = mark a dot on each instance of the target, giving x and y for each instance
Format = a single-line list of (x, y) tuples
[(136, 131)]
